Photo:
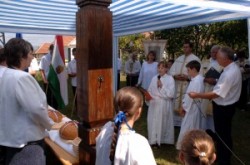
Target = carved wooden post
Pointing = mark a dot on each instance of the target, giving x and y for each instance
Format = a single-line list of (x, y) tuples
[(94, 66)]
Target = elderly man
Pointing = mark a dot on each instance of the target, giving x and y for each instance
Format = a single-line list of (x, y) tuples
[(209, 82), (225, 94)]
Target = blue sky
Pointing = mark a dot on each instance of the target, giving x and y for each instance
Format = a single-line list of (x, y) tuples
[(35, 39)]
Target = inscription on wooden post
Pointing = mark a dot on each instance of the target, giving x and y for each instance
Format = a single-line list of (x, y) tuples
[(94, 72)]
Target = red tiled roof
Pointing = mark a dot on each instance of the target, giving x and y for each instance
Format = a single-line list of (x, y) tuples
[(67, 40), (43, 49)]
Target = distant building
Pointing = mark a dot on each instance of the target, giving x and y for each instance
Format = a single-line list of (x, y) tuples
[(69, 42), (42, 50)]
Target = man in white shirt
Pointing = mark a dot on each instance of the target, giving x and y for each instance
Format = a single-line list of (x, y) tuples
[(132, 69), (44, 69), (225, 94), (72, 74), (72, 71)]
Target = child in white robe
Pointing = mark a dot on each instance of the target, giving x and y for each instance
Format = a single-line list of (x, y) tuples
[(191, 109), (118, 143), (160, 112)]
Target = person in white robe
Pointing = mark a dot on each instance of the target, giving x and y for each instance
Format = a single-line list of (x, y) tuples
[(179, 72), (148, 71), (118, 143), (191, 109), (207, 122), (160, 117)]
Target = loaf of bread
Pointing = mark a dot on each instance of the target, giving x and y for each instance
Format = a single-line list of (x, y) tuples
[(55, 115), (69, 131)]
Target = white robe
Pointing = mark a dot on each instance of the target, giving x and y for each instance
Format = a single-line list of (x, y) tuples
[(131, 148), (179, 67), (160, 112), (192, 118)]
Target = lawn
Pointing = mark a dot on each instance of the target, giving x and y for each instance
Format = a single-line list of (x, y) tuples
[(167, 154)]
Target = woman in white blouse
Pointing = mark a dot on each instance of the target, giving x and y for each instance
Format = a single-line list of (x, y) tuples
[(23, 109), (148, 70)]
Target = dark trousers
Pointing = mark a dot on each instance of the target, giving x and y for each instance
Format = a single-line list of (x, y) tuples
[(50, 97), (131, 80), (33, 153), (223, 116)]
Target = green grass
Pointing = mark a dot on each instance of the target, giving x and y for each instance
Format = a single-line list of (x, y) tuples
[(167, 154)]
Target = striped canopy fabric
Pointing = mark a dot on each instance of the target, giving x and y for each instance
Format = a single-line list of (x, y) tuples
[(129, 16)]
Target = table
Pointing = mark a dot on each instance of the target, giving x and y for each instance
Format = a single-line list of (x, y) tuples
[(64, 157)]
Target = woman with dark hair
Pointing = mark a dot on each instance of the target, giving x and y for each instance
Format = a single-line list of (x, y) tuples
[(23, 108), (118, 143), (148, 70), (197, 148)]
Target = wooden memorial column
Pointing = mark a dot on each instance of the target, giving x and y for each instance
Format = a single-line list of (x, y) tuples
[(94, 76)]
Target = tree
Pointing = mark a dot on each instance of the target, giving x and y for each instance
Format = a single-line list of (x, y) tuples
[(230, 33), (131, 43)]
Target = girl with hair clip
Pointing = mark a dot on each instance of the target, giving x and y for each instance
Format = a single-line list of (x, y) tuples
[(118, 143), (160, 112), (197, 148)]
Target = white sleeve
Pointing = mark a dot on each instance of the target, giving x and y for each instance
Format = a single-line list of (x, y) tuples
[(41, 65), (168, 88), (143, 154), (69, 68), (223, 86), (33, 99), (172, 69)]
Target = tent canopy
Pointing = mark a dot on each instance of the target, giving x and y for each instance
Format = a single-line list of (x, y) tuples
[(129, 16)]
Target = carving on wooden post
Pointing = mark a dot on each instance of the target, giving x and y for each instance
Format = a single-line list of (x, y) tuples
[(94, 76)]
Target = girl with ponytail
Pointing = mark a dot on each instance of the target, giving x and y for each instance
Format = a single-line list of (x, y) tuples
[(118, 143), (197, 148)]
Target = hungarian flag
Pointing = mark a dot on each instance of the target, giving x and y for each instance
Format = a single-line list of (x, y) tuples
[(57, 74)]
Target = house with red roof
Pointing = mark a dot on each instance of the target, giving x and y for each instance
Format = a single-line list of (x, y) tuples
[(69, 42)]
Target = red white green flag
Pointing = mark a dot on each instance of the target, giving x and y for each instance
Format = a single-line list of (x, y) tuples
[(58, 75)]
